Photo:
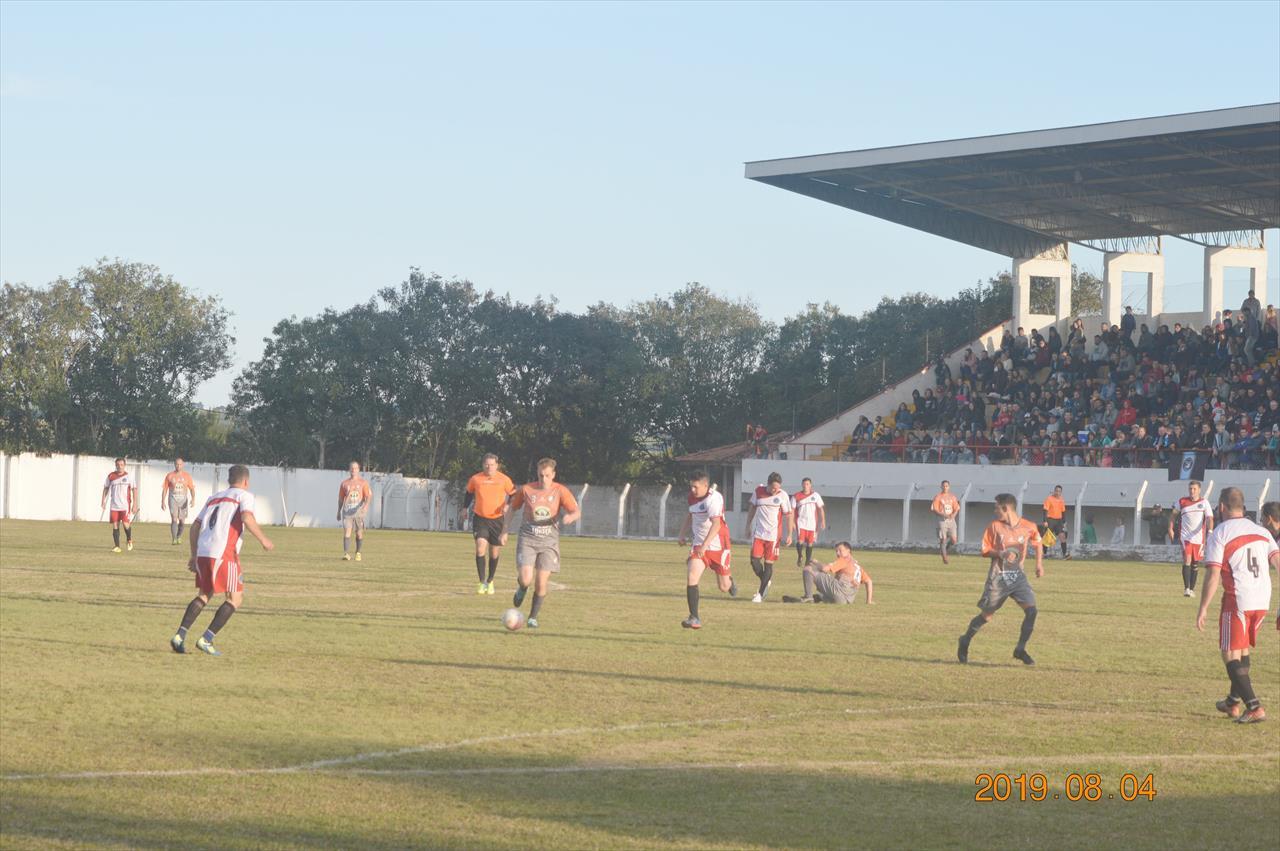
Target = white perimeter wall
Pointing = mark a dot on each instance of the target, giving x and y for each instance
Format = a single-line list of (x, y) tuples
[(69, 487)]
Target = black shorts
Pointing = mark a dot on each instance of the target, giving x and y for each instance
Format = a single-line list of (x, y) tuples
[(487, 529), (1059, 526)]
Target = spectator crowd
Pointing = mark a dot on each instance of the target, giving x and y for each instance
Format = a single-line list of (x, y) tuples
[(1127, 397)]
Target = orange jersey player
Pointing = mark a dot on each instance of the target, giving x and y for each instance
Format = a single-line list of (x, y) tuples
[(177, 496), (1007, 542), (488, 494), (710, 539), (1241, 555), (1055, 518), (545, 505), (946, 508), (354, 497), (837, 582)]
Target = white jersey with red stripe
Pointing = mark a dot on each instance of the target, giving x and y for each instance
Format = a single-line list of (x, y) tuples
[(703, 510), (769, 510), (1243, 550), (806, 507), (118, 487), (222, 523), (1194, 517)]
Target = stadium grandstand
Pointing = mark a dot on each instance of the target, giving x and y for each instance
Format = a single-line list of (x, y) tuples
[(1122, 389)]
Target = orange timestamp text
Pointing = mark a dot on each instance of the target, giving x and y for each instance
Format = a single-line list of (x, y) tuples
[(994, 788)]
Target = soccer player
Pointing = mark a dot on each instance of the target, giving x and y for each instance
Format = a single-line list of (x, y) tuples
[(710, 539), (770, 509), (123, 493), (836, 582), (216, 536), (1270, 517), (546, 504), (176, 496), (1007, 541), (1196, 519), (1238, 553), (947, 508), (488, 493), (811, 515), (354, 496), (1055, 518)]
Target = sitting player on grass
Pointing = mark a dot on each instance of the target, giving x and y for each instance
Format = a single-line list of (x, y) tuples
[(836, 582)]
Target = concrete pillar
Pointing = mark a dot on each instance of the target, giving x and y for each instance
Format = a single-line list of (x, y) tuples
[(1216, 260), (1054, 263), (1114, 265)]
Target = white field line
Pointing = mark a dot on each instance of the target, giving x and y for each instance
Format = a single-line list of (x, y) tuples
[(565, 732), (1023, 761)]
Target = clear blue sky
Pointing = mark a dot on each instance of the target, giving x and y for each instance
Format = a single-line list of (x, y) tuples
[(291, 157)]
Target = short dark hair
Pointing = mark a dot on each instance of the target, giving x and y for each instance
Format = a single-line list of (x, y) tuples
[(806, 479), (946, 481), (774, 477), (1271, 511), (238, 474), (487, 456), (848, 546), (1057, 487), (544, 463), (119, 460), (177, 458), (1007, 500), (1195, 482), (699, 476), (1231, 499)]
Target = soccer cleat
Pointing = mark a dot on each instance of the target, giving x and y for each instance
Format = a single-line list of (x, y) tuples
[(945, 560), (206, 646), (490, 587), (1067, 556), (733, 588), (175, 542), (756, 598), (1187, 592), (1253, 716), (1022, 656), (962, 650), (346, 556), (799, 561), (531, 623), (765, 593), (481, 588), (1230, 707), (116, 550), (129, 546), (518, 597), (691, 623), (178, 644), (358, 557), (787, 598)]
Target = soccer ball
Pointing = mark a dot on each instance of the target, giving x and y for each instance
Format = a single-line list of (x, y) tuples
[(513, 619)]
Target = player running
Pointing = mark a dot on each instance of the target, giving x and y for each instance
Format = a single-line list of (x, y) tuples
[(488, 493), (705, 521), (947, 509), (836, 582), (123, 493), (811, 515), (216, 536), (1006, 542), (1239, 553), (176, 497), (354, 496), (770, 509), (546, 504), (1196, 522), (1055, 518)]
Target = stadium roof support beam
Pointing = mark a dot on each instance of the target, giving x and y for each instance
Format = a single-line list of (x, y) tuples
[(1054, 263), (1217, 259), (1115, 264)]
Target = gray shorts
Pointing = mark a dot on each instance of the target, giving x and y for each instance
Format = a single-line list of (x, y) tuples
[(947, 529), (1003, 585), (832, 589), (178, 507), (353, 521), (541, 551)]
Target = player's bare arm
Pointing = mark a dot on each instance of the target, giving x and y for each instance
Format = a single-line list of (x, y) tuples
[(751, 515), (870, 592), (251, 523), (1039, 559), (685, 529), (822, 518), (787, 524), (1211, 582), (712, 534), (164, 493), (506, 520)]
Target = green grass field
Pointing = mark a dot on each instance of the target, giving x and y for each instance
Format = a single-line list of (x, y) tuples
[(381, 705)]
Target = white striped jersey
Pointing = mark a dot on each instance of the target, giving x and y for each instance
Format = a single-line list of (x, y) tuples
[(222, 523), (118, 486), (1243, 550)]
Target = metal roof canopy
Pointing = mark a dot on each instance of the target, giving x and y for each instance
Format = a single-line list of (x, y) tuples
[(1113, 187)]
